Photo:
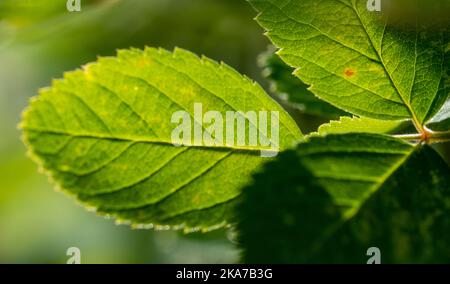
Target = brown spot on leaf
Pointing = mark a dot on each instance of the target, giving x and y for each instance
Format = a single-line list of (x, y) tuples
[(349, 72)]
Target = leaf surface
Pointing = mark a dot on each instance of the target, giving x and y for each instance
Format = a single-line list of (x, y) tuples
[(353, 59), (336, 196), (291, 90), (104, 135), (362, 125)]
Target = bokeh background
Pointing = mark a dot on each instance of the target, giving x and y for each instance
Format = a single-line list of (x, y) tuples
[(39, 40)]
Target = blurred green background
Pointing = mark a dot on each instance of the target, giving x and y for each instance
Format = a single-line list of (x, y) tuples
[(39, 40)]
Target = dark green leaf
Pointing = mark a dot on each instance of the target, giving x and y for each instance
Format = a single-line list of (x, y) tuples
[(336, 196)]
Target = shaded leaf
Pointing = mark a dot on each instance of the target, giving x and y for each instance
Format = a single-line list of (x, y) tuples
[(334, 197)]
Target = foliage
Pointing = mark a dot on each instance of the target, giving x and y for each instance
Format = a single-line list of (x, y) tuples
[(333, 197), (103, 135), (293, 91)]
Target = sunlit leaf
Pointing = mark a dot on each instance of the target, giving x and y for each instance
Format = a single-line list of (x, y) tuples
[(291, 90), (104, 135), (351, 58), (363, 125)]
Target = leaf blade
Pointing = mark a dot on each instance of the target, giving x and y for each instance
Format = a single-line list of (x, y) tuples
[(362, 125), (104, 135), (291, 90), (346, 58), (335, 198)]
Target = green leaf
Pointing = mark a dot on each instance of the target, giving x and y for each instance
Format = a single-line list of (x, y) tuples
[(291, 90), (103, 134), (362, 125), (354, 60), (336, 196), (441, 121)]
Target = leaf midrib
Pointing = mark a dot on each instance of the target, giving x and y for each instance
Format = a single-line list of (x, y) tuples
[(320, 31), (145, 140), (414, 118)]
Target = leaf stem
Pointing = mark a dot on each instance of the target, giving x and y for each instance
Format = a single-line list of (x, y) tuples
[(440, 136), (409, 137), (427, 136)]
